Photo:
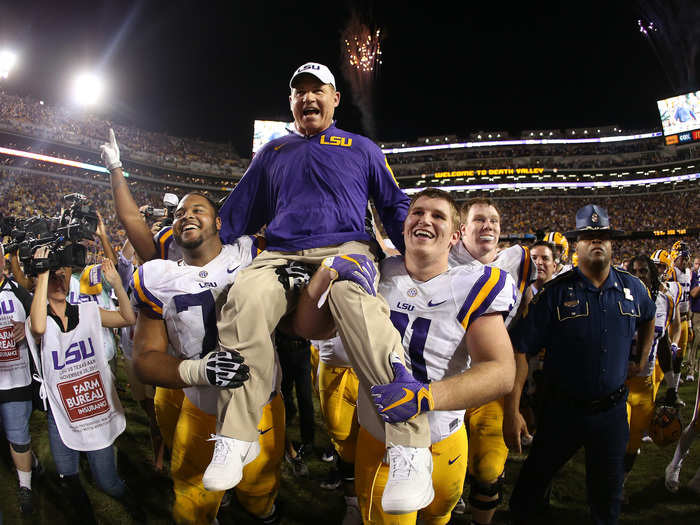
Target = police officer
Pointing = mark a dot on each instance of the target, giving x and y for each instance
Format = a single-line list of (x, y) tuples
[(585, 319)]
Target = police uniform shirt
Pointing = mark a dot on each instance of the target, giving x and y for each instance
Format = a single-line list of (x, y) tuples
[(587, 331), (695, 301)]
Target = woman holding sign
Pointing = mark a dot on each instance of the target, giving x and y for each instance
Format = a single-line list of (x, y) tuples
[(85, 414)]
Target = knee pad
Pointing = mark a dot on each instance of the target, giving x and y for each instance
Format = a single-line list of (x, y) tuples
[(485, 489), (20, 448)]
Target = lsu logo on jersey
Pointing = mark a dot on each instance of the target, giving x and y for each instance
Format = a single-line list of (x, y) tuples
[(345, 142), (405, 306), (76, 352)]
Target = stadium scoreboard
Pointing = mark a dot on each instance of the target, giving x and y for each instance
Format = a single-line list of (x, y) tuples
[(680, 118), (266, 130)]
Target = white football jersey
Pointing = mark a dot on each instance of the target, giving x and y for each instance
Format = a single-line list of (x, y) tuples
[(664, 314), (683, 279), (564, 268), (432, 318), (189, 299), (167, 248), (675, 289), (332, 352), (515, 260)]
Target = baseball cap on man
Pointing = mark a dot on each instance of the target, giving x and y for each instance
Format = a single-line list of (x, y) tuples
[(320, 71)]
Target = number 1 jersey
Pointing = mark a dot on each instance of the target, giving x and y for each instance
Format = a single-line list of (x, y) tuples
[(432, 318)]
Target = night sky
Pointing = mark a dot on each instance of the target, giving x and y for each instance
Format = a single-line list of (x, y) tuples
[(204, 70)]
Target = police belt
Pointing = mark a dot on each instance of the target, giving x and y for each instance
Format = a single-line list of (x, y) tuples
[(594, 406)]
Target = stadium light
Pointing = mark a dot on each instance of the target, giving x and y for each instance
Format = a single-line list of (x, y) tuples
[(87, 89), (8, 59)]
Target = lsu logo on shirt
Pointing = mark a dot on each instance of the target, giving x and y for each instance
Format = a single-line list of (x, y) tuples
[(345, 142), (77, 351), (7, 307)]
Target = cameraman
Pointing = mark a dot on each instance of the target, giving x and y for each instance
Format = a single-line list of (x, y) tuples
[(88, 284), (84, 410), (18, 274), (16, 381)]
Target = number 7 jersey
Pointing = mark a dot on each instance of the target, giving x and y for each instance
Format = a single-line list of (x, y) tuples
[(189, 300), (433, 316)]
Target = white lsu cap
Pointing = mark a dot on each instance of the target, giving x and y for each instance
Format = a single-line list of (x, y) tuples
[(320, 71)]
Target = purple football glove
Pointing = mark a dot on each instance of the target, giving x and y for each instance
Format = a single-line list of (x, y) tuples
[(674, 349), (353, 267), (404, 398)]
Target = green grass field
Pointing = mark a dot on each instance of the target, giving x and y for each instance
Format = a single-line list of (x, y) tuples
[(304, 502)]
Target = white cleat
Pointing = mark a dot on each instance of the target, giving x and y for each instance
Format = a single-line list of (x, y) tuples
[(672, 477), (409, 486), (230, 456)]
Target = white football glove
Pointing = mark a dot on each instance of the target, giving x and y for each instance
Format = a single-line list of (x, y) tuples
[(222, 368), (110, 152)]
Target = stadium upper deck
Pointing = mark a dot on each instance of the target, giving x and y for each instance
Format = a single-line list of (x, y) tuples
[(605, 161), (572, 162)]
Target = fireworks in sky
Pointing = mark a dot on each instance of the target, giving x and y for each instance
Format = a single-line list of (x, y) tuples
[(672, 29), (363, 51), (361, 47), (645, 29)]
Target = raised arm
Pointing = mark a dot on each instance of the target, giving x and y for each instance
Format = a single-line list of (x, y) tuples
[(24, 281), (104, 239), (125, 315), (127, 210), (37, 313)]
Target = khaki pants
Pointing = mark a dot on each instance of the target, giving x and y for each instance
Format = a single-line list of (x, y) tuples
[(694, 354), (255, 304)]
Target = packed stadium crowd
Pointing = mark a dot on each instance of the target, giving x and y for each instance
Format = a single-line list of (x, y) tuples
[(648, 152), (36, 118), (160, 174), (433, 347)]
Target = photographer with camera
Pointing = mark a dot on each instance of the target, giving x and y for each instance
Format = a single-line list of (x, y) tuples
[(84, 410), (16, 381), (88, 283), (7, 228)]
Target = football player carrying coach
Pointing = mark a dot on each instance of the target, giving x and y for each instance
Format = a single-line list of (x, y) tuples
[(311, 188), (586, 320)]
